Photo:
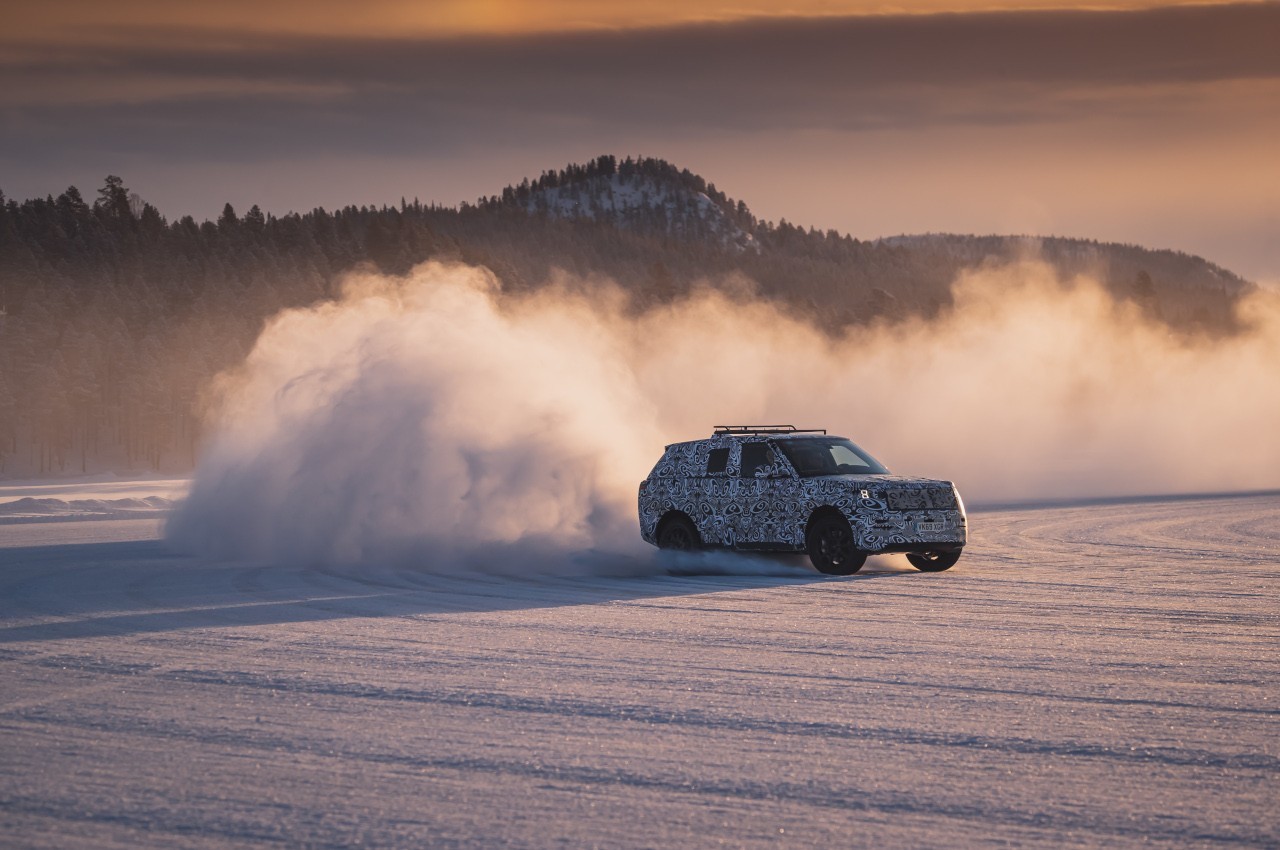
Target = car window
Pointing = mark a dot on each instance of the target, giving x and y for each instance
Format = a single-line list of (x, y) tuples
[(847, 460), (829, 456), (755, 456), (717, 461)]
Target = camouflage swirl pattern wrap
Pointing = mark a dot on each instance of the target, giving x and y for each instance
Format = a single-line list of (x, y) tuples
[(771, 509)]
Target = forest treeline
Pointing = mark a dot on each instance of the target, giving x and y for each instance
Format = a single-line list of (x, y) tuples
[(113, 318)]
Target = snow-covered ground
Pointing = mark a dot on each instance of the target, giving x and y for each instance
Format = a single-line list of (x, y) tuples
[(1100, 676), (88, 497)]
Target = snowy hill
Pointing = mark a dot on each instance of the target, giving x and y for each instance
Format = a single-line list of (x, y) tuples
[(649, 196)]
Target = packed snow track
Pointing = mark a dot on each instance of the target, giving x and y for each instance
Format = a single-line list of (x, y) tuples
[(1099, 675)]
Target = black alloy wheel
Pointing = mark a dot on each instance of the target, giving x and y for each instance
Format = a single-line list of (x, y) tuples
[(933, 562), (831, 549), (678, 535)]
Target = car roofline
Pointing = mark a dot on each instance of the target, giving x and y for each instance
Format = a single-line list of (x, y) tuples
[(797, 434), (771, 430)]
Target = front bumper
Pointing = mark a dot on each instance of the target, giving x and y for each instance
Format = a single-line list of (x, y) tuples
[(891, 531)]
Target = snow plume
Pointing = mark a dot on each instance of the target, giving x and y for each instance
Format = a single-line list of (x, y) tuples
[(426, 415), (436, 419)]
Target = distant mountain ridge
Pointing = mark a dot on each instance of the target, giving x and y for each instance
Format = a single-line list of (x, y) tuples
[(654, 198), (113, 318)]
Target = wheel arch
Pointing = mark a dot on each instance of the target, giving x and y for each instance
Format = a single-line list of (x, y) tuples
[(820, 512), (666, 519)]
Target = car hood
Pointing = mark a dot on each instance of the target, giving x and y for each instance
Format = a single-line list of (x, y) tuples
[(871, 481)]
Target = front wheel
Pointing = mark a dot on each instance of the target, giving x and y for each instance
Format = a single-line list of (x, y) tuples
[(678, 535), (933, 562), (831, 549)]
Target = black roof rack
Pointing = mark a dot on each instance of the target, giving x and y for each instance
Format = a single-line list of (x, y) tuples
[(766, 429)]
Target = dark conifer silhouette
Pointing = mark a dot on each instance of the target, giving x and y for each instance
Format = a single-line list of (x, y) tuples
[(112, 318)]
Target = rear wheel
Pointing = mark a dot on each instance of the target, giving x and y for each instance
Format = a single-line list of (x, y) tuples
[(678, 535), (933, 562), (831, 549)]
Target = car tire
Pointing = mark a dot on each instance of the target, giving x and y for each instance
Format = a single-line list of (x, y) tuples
[(678, 534), (933, 562), (829, 542)]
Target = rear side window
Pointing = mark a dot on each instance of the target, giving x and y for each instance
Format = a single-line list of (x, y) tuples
[(717, 461), (754, 456)]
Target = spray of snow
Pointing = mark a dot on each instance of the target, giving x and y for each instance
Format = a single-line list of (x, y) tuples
[(435, 420)]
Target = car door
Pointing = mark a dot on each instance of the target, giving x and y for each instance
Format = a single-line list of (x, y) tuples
[(715, 499), (766, 492)]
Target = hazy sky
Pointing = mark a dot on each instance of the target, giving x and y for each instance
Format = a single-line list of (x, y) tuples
[(1134, 122)]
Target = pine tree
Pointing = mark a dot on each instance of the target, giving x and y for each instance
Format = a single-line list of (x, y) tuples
[(113, 199), (228, 221), (254, 221)]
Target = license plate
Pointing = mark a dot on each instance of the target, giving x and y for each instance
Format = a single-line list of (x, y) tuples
[(931, 526)]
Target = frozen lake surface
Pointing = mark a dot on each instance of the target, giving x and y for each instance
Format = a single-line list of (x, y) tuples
[(1097, 676)]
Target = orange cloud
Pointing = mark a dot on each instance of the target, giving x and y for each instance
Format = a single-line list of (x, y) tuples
[(93, 20)]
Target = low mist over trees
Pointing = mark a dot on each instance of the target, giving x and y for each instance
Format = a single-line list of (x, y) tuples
[(113, 318)]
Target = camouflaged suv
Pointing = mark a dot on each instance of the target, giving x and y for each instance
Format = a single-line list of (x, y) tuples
[(779, 489)]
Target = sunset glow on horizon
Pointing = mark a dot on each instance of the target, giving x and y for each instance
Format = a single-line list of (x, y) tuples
[(1121, 121), (86, 20)]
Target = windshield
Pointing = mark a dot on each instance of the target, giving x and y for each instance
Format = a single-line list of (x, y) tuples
[(813, 456)]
